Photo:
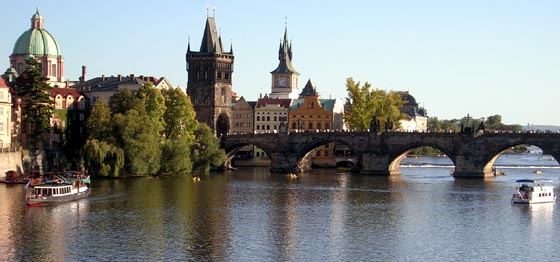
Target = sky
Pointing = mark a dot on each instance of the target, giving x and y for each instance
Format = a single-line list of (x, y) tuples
[(477, 57)]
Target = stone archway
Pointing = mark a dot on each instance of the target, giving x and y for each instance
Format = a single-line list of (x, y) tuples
[(222, 125)]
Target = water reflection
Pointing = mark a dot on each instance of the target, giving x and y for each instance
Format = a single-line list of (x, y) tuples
[(253, 215)]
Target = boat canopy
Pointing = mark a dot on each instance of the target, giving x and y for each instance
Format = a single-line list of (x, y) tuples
[(542, 180)]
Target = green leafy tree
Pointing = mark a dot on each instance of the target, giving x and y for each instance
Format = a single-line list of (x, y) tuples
[(98, 123), (206, 150), (154, 103), (102, 158), (179, 133), (179, 116), (36, 108), (139, 139), (176, 156), (363, 105), (124, 100)]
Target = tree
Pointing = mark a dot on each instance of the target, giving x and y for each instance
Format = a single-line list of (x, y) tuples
[(37, 108), (179, 114), (124, 100), (180, 126), (206, 150), (136, 135), (98, 123), (102, 158), (154, 104), (363, 106)]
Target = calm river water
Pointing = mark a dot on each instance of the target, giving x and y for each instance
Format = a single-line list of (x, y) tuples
[(252, 215)]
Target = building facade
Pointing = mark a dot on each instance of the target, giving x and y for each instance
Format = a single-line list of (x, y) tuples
[(5, 115), (106, 86), (309, 113), (415, 117), (209, 83)]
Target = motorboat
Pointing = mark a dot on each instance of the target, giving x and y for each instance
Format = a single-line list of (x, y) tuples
[(61, 188), (531, 191)]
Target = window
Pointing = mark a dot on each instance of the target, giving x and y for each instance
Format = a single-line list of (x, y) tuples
[(326, 153), (53, 70), (82, 117), (267, 118), (293, 125), (318, 125), (310, 126), (258, 118), (275, 119)]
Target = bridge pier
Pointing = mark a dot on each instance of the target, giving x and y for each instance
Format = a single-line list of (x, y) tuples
[(287, 162), (377, 165), (472, 166)]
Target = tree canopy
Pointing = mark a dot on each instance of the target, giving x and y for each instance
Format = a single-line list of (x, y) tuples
[(149, 132), (36, 105), (363, 106)]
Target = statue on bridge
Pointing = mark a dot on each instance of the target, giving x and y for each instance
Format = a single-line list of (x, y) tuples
[(374, 125)]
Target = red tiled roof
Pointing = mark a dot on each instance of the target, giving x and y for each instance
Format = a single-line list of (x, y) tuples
[(65, 92), (274, 101)]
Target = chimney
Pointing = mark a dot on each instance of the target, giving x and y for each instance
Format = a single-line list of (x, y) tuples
[(120, 77), (83, 73), (102, 77), (131, 76)]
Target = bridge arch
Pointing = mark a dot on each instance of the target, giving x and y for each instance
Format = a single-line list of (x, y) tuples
[(232, 149), (397, 156), (492, 156), (309, 149)]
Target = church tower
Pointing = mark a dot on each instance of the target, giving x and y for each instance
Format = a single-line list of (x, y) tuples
[(210, 80), (285, 79)]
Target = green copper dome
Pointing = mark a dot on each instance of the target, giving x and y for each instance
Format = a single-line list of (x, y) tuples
[(36, 41)]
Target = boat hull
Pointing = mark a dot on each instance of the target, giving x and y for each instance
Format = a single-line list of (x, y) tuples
[(533, 201), (57, 199)]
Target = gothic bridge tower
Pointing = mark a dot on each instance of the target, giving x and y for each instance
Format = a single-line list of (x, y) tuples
[(209, 83)]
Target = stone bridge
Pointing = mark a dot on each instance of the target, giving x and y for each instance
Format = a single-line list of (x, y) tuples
[(473, 154)]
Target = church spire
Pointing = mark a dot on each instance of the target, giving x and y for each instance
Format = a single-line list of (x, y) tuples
[(285, 55)]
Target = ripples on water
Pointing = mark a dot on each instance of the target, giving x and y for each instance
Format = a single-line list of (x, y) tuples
[(252, 215)]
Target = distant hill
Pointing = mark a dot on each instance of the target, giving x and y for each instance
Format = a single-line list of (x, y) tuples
[(541, 128)]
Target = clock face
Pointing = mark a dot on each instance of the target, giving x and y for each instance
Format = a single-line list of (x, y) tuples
[(282, 82)]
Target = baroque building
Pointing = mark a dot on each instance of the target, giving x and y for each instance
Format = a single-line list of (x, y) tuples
[(38, 43), (310, 113), (209, 84)]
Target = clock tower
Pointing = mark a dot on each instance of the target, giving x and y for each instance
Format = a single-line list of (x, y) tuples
[(285, 79)]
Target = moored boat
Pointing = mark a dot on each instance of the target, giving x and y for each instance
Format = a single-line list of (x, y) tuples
[(530, 191), (61, 188), (13, 177)]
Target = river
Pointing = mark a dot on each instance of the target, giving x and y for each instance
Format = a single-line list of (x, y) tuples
[(252, 215)]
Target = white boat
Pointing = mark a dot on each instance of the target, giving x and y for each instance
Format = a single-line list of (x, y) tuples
[(530, 191), (60, 189)]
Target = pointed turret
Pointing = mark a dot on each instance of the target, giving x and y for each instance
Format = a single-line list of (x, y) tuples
[(211, 42), (309, 90), (285, 56)]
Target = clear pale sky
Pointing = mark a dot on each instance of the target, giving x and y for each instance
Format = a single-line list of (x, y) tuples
[(477, 57)]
